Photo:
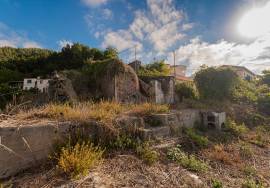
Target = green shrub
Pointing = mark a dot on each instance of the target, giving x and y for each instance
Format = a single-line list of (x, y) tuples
[(186, 90), (76, 160), (260, 140), (158, 68), (249, 170), (147, 154), (252, 184), (216, 183), (236, 129), (123, 142), (246, 151), (187, 161), (199, 140), (264, 103), (216, 83)]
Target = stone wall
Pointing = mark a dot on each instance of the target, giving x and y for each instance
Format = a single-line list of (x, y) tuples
[(25, 146), (161, 89)]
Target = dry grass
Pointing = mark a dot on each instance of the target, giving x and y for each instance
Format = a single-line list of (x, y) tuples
[(76, 161), (222, 154), (104, 111)]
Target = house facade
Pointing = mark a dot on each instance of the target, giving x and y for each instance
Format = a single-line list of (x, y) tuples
[(179, 72), (36, 83), (242, 72)]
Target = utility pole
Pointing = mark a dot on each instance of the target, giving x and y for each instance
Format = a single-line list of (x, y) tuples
[(135, 52), (174, 64)]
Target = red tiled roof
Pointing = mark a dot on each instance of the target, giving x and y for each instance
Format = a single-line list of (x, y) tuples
[(182, 78)]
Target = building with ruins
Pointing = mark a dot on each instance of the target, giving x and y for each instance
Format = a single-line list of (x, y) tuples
[(36, 83)]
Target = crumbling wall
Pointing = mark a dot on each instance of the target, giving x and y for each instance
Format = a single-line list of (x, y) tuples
[(161, 89), (61, 88)]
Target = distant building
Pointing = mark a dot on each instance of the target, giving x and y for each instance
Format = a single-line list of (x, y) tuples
[(179, 71), (135, 65), (242, 72), (36, 83)]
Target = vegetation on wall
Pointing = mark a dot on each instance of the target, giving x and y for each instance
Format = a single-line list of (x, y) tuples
[(157, 68)]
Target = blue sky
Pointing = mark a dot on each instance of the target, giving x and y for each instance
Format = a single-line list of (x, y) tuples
[(200, 31)]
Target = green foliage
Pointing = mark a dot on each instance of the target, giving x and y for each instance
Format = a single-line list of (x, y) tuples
[(187, 161), (249, 170), (199, 140), (246, 92), (76, 160), (260, 140), (216, 83), (123, 142), (266, 77), (186, 90), (236, 129), (147, 154), (264, 103), (252, 184), (246, 151), (216, 183), (158, 68)]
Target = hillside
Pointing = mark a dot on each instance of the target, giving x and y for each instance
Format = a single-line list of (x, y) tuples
[(238, 156)]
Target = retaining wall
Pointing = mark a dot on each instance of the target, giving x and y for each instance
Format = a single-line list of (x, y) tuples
[(25, 146)]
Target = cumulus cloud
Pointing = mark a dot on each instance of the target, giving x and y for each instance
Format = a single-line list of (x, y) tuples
[(254, 56), (94, 3), (11, 38), (63, 43), (158, 28)]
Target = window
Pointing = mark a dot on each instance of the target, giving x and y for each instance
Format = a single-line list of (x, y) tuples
[(29, 81)]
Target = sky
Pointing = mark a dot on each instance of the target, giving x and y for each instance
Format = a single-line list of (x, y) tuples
[(211, 32)]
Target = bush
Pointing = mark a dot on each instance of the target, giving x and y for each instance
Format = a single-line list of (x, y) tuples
[(252, 184), (246, 151), (264, 103), (76, 160), (158, 68), (186, 90), (199, 140), (187, 161), (249, 170), (146, 154), (123, 142), (216, 183), (216, 83), (236, 129)]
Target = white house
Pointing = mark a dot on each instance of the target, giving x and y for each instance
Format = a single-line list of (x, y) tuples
[(41, 84)]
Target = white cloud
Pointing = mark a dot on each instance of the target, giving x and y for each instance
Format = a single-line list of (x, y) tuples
[(94, 3), (121, 39), (254, 56), (63, 43), (11, 38), (159, 29), (107, 14)]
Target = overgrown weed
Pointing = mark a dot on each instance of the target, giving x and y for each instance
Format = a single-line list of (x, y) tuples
[(187, 161), (76, 161)]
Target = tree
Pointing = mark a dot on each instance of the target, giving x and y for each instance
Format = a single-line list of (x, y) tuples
[(111, 53), (186, 90), (216, 83), (266, 77)]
